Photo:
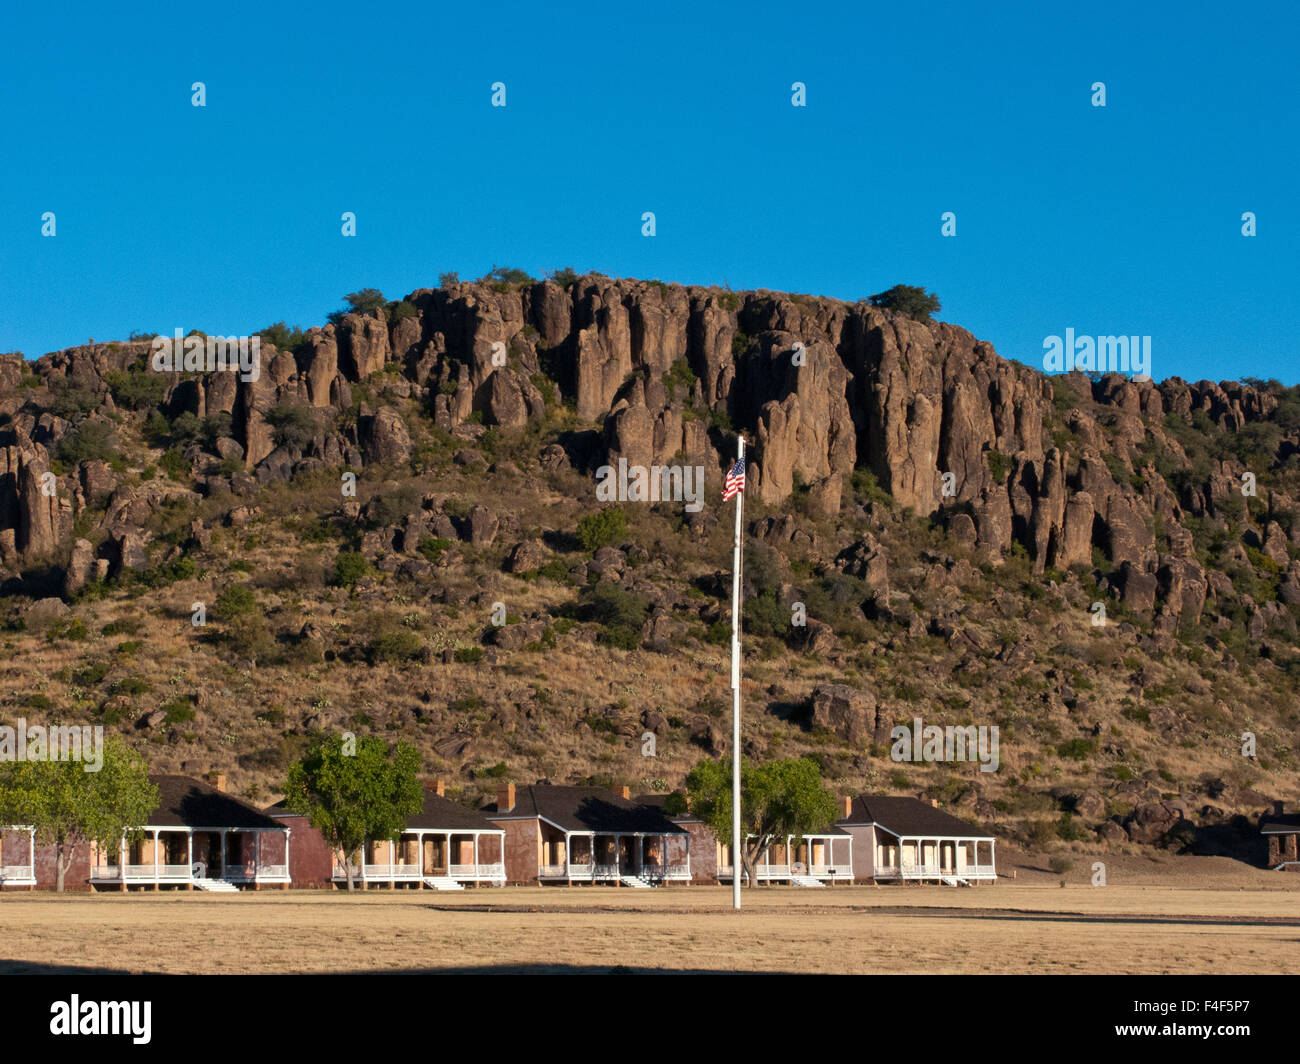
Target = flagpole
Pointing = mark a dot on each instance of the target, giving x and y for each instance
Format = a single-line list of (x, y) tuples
[(736, 842)]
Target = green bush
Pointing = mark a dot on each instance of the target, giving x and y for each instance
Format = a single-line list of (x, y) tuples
[(914, 301), (178, 711), (349, 567), (293, 425), (395, 646), (91, 441), (469, 655), (602, 528), (175, 464), (137, 389), (234, 601)]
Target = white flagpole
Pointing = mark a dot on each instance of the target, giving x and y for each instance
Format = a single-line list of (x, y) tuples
[(736, 842)]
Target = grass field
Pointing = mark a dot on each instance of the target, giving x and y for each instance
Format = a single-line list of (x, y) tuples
[(1245, 921)]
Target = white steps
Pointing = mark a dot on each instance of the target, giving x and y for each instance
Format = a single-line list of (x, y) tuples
[(805, 881), (216, 885), (635, 881), (442, 883)]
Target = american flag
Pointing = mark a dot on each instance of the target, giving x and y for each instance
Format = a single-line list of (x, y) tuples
[(735, 481)]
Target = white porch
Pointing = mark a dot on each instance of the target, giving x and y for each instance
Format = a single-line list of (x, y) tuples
[(468, 857), (183, 857), (611, 857), (919, 858), (826, 858)]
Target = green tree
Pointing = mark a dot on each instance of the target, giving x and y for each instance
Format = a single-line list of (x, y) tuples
[(353, 794), (908, 299), (71, 806), (777, 798), (602, 528)]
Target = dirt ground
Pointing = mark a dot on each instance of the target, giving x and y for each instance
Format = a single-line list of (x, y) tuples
[(1173, 915)]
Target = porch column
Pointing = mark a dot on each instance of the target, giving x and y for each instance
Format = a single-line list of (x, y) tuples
[(222, 873), (566, 855), (155, 858), (189, 857), (419, 860), (287, 874), (257, 853), (121, 862), (361, 859)]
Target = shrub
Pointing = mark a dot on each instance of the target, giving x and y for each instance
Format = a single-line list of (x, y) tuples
[(564, 276), (234, 601), (395, 646), (293, 425), (469, 655), (175, 464), (91, 441), (137, 389), (349, 567), (177, 711), (602, 528), (282, 338), (448, 278), (432, 547), (914, 301)]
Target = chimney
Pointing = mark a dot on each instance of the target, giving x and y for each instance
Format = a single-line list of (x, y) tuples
[(505, 797), (847, 803), (934, 802), (625, 792), (218, 780), (1279, 808), (437, 786)]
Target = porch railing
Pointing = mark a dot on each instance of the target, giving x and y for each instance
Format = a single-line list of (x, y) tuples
[(16, 871)]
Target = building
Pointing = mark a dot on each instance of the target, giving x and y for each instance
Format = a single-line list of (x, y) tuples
[(909, 840), (1282, 832), (17, 857), (812, 860), (565, 835), (197, 836), (703, 844), (444, 846)]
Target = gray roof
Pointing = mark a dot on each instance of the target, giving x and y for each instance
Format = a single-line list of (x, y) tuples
[(585, 809), (909, 817), (438, 814), (190, 803), (1280, 824)]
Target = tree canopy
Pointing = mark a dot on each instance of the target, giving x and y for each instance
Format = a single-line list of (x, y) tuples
[(354, 789), (777, 798), (908, 299), (69, 805)]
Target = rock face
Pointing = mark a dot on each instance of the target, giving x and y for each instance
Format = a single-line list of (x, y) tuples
[(825, 391), (848, 712)]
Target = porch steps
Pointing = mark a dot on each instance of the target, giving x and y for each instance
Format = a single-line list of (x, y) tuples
[(805, 881), (954, 881), (635, 881), (442, 883), (216, 885)]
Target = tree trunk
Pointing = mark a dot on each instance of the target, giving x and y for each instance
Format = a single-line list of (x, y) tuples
[(347, 868), (60, 866)]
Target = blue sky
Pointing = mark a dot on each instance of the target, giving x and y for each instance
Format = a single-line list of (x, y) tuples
[(1124, 219)]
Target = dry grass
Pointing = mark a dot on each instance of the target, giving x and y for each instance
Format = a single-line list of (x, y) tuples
[(1010, 928)]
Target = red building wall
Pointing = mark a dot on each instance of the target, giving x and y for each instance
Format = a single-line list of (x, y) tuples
[(311, 861), (522, 840), (704, 851)]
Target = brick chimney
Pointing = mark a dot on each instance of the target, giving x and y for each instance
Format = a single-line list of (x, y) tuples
[(625, 792), (846, 804), (505, 797), (437, 786), (218, 780)]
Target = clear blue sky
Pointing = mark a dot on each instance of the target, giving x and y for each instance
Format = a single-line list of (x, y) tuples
[(1117, 220)]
